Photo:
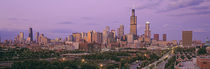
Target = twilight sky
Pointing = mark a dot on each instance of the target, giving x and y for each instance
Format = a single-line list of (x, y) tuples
[(59, 18)]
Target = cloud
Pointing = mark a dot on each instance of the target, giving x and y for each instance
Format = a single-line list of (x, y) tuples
[(161, 6), (18, 19), (201, 8), (148, 4), (178, 4), (193, 13), (67, 22)]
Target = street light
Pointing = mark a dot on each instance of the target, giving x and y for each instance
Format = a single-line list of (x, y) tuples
[(83, 60), (63, 59), (101, 66)]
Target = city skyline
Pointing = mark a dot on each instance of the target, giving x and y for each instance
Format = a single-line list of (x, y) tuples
[(67, 18)]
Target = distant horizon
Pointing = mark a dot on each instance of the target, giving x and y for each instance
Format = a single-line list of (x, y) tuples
[(60, 18), (65, 34)]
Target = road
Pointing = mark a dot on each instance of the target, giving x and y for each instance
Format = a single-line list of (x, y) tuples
[(134, 65), (161, 59)]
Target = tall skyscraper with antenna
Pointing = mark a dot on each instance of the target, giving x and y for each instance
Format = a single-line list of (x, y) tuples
[(30, 34), (133, 23)]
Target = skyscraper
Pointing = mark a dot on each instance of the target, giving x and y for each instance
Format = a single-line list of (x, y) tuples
[(70, 38), (164, 37), (114, 33), (37, 37), (107, 28), (76, 36), (83, 35), (30, 34), (97, 37), (89, 36), (133, 23), (156, 37), (187, 38), (147, 30), (120, 31), (21, 37), (105, 37)]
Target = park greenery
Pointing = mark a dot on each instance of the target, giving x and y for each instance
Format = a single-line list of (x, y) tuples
[(8, 54), (170, 63), (43, 64), (202, 51), (28, 59)]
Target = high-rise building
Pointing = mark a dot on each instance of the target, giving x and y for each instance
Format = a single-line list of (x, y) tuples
[(133, 23), (89, 36), (37, 37), (187, 38), (147, 30), (42, 39), (21, 37), (97, 37), (111, 37), (120, 31), (114, 33), (164, 37), (130, 38), (30, 34), (83, 35), (70, 38), (156, 37), (107, 28), (76, 36), (105, 36)]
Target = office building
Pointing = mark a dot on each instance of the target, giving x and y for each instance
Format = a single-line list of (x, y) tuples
[(130, 38), (76, 36), (90, 36), (147, 31), (105, 37), (120, 31), (164, 37), (107, 28), (30, 34), (156, 37), (133, 23), (114, 33), (83, 35), (37, 36), (97, 37), (70, 38), (21, 37), (187, 38)]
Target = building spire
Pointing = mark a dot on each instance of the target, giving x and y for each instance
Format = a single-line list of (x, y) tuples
[(133, 12)]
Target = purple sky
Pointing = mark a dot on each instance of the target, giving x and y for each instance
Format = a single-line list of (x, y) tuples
[(59, 18)]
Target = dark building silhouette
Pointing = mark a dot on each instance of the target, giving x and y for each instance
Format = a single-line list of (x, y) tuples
[(30, 34)]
